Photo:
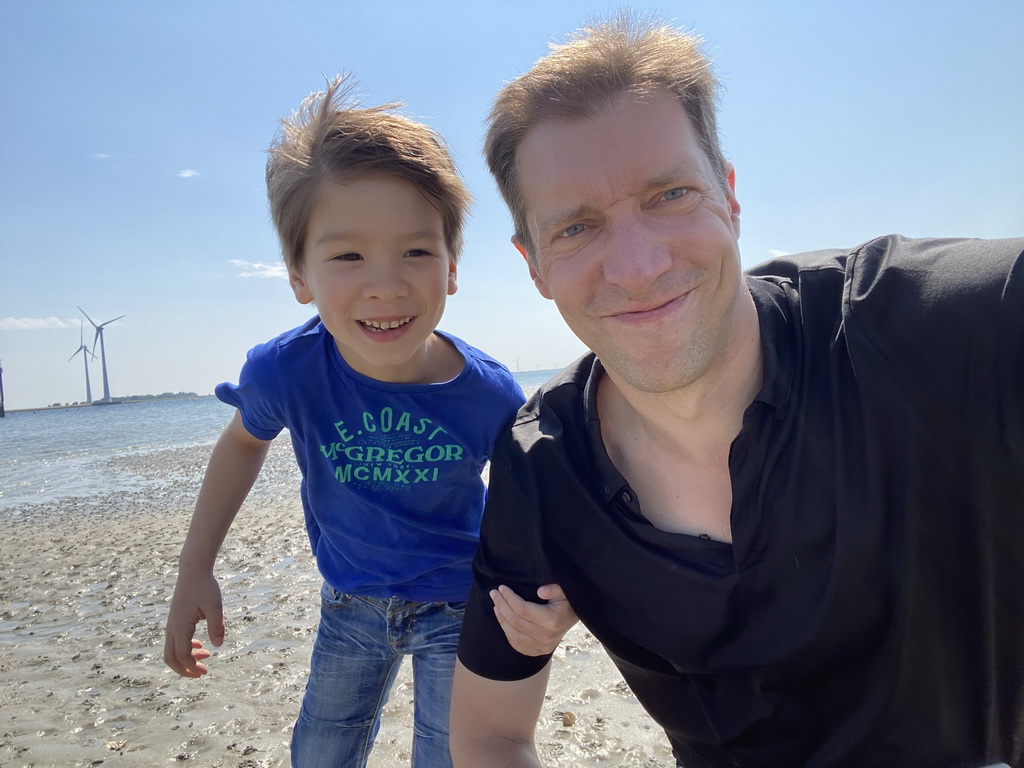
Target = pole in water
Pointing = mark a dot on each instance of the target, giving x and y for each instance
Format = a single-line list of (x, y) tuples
[(2, 414)]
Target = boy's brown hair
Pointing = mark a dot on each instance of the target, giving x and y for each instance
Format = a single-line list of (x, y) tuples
[(583, 76), (331, 135)]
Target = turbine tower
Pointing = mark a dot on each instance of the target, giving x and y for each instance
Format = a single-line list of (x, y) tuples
[(85, 359), (103, 352)]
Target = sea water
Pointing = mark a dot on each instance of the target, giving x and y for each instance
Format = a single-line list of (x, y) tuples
[(53, 454), (60, 453)]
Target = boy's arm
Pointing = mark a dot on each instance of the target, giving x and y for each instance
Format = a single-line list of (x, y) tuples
[(493, 721), (234, 465), (533, 629)]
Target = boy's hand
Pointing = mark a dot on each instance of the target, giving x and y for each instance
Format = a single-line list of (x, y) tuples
[(533, 629), (194, 599)]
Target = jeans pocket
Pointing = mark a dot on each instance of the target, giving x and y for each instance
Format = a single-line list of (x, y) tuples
[(454, 610), (333, 600)]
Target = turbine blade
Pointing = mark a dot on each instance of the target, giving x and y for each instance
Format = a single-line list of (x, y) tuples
[(109, 322), (87, 317), (73, 356)]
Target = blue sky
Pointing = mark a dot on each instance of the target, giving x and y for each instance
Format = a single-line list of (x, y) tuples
[(133, 138)]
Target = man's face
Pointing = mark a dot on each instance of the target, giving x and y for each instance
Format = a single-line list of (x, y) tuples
[(635, 239)]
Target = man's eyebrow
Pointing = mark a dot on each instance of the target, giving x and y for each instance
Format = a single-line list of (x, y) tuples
[(563, 216), (681, 174)]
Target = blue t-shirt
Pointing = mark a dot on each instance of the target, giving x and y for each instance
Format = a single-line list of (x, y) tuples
[(391, 484)]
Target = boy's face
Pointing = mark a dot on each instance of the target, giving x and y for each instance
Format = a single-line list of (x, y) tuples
[(377, 268)]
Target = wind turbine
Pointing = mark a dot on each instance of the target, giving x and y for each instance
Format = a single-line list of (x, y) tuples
[(103, 352), (85, 352)]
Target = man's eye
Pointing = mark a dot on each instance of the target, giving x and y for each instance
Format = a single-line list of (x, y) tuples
[(572, 231), (675, 194)]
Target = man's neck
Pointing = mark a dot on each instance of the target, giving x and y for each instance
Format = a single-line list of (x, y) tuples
[(697, 419), (673, 448)]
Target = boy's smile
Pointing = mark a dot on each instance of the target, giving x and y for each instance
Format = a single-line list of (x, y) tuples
[(377, 268)]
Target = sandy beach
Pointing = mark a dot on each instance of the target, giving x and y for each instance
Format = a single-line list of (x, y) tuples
[(83, 597)]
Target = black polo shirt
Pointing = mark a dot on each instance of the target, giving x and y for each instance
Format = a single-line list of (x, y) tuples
[(870, 610)]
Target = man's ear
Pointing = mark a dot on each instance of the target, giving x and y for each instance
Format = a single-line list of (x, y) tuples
[(302, 293), (534, 274), (734, 204)]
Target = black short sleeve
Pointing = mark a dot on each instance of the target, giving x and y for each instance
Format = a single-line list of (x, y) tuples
[(510, 553)]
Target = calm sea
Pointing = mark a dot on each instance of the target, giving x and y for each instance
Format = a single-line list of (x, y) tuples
[(49, 455)]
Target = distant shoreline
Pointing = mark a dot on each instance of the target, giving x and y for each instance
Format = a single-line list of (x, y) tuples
[(527, 379), (120, 401)]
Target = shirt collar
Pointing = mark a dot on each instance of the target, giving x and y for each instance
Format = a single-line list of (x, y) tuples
[(778, 345), (778, 341)]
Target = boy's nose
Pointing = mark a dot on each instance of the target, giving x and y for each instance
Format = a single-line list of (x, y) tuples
[(386, 284)]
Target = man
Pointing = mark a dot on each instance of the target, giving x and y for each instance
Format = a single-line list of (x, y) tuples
[(789, 504)]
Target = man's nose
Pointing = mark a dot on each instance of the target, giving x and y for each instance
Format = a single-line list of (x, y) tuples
[(635, 255)]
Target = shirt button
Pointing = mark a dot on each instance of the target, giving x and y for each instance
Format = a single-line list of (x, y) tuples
[(627, 497)]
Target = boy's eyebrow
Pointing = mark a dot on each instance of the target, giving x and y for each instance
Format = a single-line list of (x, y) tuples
[(423, 235), (332, 237)]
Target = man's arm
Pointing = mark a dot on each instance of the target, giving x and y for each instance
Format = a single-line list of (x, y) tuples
[(234, 465), (493, 721)]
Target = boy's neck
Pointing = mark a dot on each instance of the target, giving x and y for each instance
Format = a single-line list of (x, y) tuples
[(437, 362)]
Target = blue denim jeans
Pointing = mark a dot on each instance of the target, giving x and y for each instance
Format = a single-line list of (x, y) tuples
[(359, 647)]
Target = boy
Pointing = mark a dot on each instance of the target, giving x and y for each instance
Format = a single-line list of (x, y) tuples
[(391, 423)]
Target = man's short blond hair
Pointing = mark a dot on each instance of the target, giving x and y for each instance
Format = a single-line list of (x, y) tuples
[(583, 76), (331, 136)]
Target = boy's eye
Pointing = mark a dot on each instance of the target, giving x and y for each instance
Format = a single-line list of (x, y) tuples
[(348, 257), (417, 252), (572, 231)]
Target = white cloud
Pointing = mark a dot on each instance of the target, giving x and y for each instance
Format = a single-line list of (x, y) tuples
[(34, 323), (102, 156), (260, 269), (188, 173), (776, 254)]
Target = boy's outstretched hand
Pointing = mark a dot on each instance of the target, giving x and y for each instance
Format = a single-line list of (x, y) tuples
[(533, 629), (195, 599)]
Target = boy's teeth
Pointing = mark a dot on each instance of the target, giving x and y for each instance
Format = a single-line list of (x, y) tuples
[(387, 325)]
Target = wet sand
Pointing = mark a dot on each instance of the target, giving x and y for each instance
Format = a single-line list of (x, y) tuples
[(83, 594)]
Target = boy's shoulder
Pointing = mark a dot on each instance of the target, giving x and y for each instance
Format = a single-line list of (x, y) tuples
[(484, 384), (468, 350), (477, 359), (296, 341)]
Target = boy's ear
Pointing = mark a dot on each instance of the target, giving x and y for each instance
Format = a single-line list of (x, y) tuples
[(453, 273), (302, 293), (534, 274)]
